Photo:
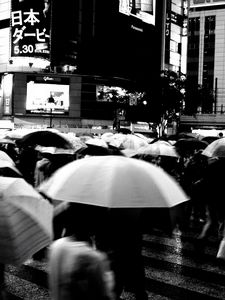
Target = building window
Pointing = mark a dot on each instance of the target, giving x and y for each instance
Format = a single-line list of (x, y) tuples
[(209, 51)]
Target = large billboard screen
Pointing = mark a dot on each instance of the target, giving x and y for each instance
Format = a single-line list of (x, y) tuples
[(44, 97), (141, 9), (30, 28)]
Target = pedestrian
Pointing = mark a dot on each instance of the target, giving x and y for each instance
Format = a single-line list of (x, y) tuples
[(42, 167), (210, 193), (116, 232), (119, 235), (26, 163), (77, 271)]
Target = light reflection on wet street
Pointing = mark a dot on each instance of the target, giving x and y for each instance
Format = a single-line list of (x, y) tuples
[(173, 271)]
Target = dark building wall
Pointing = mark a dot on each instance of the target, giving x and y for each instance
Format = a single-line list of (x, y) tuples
[(120, 47), (64, 32), (106, 44), (19, 94)]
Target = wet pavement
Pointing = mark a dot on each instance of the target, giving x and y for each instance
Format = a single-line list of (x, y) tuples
[(174, 270)]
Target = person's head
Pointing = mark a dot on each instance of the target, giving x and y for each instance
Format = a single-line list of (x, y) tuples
[(79, 272)]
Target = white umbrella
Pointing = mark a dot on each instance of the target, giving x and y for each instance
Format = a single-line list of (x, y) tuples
[(107, 136), (97, 142), (215, 149), (158, 149), (25, 221), (114, 181), (5, 157), (134, 142), (54, 150), (18, 133), (76, 142), (142, 136)]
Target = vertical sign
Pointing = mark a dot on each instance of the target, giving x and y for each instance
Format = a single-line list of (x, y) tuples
[(141, 9), (7, 86), (168, 32), (30, 28)]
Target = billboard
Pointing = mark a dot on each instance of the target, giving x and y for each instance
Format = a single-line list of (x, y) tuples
[(7, 88), (106, 93), (30, 28), (199, 3), (141, 9), (46, 96)]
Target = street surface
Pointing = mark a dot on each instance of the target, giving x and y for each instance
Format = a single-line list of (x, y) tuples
[(173, 271)]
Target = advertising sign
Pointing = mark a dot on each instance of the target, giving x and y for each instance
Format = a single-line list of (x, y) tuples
[(30, 28), (141, 9), (47, 95), (7, 87)]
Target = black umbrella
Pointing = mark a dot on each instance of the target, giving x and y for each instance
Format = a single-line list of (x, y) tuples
[(209, 139), (189, 145), (94, 150), (9, 170), (45, 138)]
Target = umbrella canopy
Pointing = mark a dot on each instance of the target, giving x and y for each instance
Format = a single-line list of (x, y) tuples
[(209, 139), (25, 221), (55, 150), (97, 142), (189, 145), (5, 157), (6, 141), (215, 149), (182, 135), (132, 141), (115, 182), (94, 150), (75, 141), (107, 136), (159, 148), (45, 138), (8, 169), (18, 133)]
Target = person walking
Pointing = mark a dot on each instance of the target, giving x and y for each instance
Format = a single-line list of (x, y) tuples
[(77, 271), (210, 193), (120, 236)]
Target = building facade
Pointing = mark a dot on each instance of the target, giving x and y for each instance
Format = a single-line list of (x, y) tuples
[(70, 52), (206, 61)]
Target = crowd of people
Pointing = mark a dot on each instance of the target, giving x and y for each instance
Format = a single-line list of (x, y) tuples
[(98, 262)]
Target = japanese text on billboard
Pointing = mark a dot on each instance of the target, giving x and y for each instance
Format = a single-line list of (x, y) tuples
[(30, 28)]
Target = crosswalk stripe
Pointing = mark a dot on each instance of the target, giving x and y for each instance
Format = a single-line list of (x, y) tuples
[(173, 271), (25, 289)]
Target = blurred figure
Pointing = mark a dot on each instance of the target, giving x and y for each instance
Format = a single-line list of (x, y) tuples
[(170, 165), (116, 232), (42, 168), (210, 192), (77, 271), (190, 181), (121, 238), (26, 163)]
